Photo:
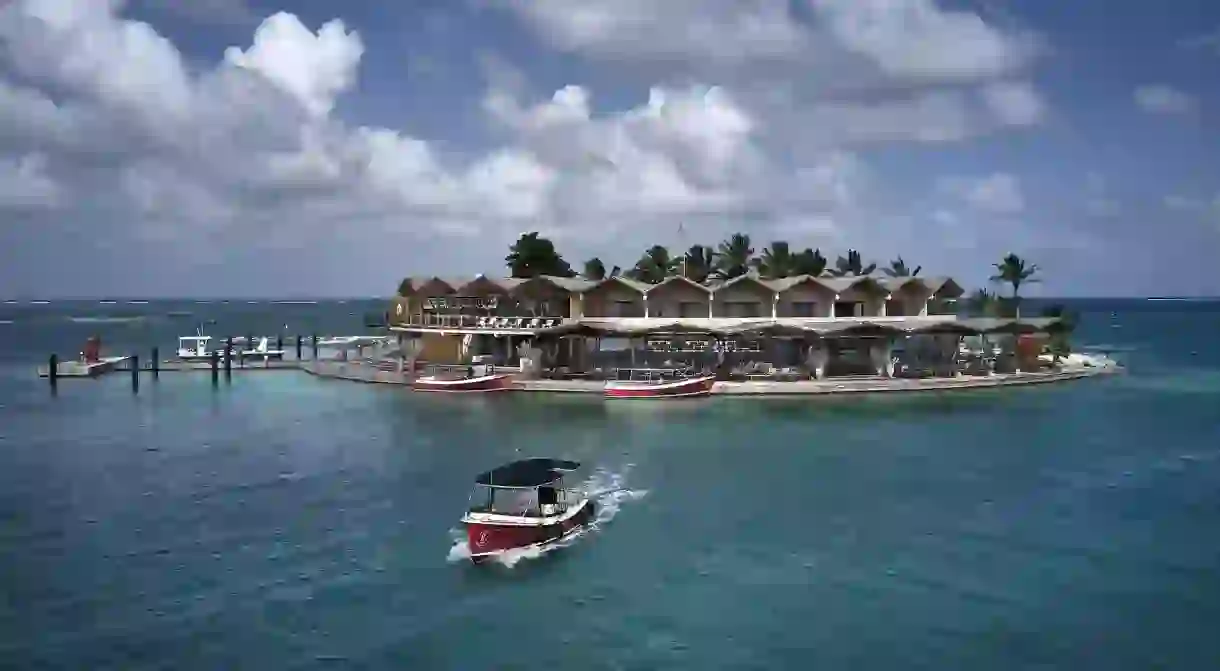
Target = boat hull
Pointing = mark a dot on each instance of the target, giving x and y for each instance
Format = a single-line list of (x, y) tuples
[(691, 388), (485, 383), (489, 539)]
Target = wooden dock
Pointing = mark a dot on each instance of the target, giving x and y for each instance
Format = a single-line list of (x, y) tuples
[(78, 368)]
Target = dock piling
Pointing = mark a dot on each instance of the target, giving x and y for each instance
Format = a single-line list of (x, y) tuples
[(155, 364), (279, 342), (215, 368), (135, 373), (298, 348), (315, 346), (53, 373), (229, 360)]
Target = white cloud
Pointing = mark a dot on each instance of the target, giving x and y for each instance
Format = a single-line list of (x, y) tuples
[(1208, 210), (917, 39), (720, 30), (1162, 99), (312, 68), (103, 120), (24, 184), (999, 193)]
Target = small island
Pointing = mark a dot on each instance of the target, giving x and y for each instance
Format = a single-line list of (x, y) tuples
[(775, 322)]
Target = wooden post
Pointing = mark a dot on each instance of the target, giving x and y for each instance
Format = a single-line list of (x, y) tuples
[(229, 360), (279, 342), (215, 368), (135, 373), (298, 348), (156, 363), (314, 337), (53, 373)]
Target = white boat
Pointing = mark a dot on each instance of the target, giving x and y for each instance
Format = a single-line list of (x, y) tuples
[(195, 348), (261, 351)]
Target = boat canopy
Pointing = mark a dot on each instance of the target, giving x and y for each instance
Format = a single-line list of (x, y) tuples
[(527, 473)]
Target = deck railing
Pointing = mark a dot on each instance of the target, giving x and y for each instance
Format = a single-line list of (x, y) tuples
[(491, 323)]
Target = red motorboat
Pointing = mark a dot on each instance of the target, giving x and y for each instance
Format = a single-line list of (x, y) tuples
[(454, 384), (524, 505), (685, 388)]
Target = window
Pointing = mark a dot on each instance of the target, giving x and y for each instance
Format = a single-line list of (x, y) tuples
[(625, 309), (848, 309), (689, 309), (804, 309), (743, 309)]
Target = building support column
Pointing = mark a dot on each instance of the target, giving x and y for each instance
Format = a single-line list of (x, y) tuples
[(881, 352), (711, 300), (884, 311), (816, 359), (645, 306), (775, 307)]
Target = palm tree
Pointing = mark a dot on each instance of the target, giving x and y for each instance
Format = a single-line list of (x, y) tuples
[(898, 268), (595, 269), (776, 261), (654, 266), (733, 256), (699, 263), (533, 255), (982, 303), (852, 265), (809, 262), (1013, 271)]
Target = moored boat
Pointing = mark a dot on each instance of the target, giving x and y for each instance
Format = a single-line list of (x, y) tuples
[(690, 387), (474, 383), (524, 505)]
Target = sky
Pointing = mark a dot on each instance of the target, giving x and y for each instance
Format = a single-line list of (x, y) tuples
[(313, 148)]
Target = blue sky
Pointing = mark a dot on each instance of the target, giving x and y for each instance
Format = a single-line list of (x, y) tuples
[(245, 147)]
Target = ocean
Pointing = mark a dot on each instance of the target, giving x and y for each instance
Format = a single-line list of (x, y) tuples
[(280, 521)]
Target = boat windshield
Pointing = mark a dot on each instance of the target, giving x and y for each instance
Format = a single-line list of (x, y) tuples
[(543, 501)]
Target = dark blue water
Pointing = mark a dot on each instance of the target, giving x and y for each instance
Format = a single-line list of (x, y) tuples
[(286, 522)]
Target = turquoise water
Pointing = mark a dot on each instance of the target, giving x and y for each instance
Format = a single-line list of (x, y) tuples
[(285, 522)]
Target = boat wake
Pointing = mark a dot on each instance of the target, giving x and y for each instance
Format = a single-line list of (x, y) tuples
[(606, 488)]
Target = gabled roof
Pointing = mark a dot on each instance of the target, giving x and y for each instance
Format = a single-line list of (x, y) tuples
[(494, 283), (752, 277), (680, 280), (575, 284), (634, 285), (841, 284), (785, 283), (437, 286)]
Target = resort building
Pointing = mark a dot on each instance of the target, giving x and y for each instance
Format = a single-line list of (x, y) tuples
[(797, 326)]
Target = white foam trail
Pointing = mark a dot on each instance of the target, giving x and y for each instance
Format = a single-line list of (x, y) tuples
[(605, 487)]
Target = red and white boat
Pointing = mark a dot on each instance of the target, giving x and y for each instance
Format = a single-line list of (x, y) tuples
[(523, 505), (452, 384), (690, 387)]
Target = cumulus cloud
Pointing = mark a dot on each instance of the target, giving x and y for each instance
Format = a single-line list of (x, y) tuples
[(1163, 99), (104, 123), (998, 193)]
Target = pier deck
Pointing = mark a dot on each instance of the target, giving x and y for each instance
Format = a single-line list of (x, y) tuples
[(76, 368)]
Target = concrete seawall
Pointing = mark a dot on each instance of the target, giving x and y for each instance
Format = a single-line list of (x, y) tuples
[(838, 386)]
